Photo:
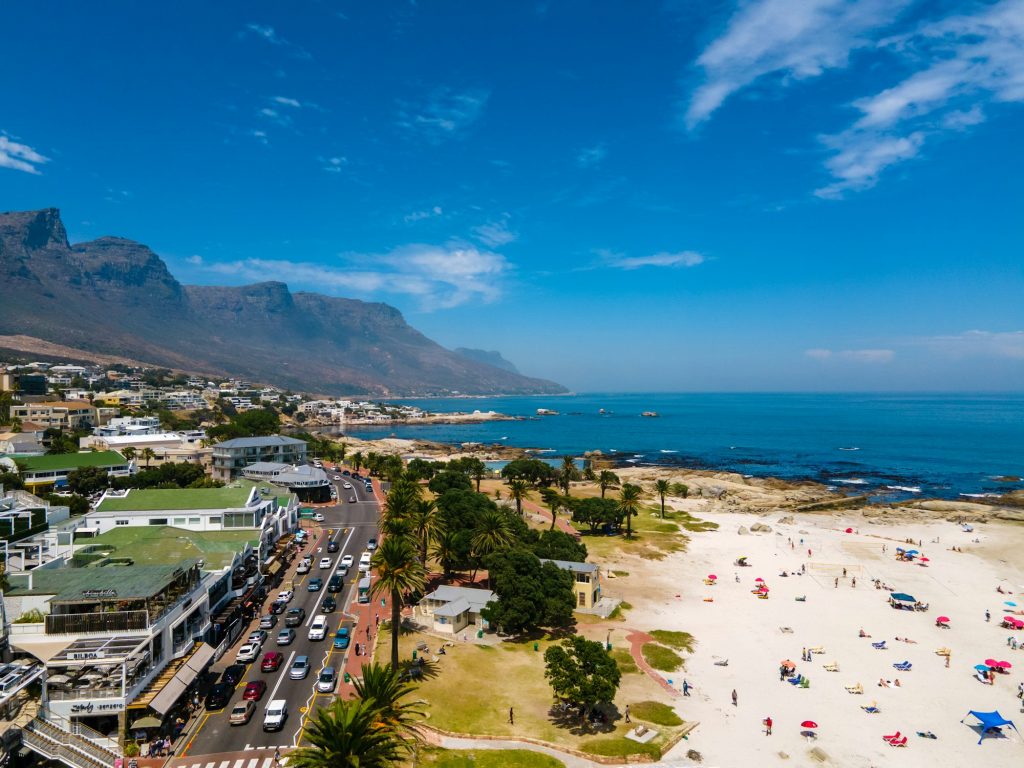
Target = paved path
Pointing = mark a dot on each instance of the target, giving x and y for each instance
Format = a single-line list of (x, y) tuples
[(636, 641), (571, 761), (563, 523)]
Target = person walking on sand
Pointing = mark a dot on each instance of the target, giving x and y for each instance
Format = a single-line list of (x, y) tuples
[(854, 582), (988, 616), (837, 582), (627, 714), (735, 698), (512, 716), (686, 688), (768, 726)]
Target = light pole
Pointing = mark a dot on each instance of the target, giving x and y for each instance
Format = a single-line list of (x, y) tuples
[(608, 641)]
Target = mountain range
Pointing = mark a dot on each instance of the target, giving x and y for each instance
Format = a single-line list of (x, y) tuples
[(114, 296)]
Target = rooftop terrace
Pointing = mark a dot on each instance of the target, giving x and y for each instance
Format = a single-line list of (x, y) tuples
[(165, 545)]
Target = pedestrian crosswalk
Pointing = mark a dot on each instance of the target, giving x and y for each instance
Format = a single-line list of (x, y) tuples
[(241, 762)]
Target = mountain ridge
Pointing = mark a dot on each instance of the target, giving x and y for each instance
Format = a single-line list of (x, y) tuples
[(116, 296)]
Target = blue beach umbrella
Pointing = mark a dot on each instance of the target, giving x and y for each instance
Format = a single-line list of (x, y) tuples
[(1010, 603), (910, 552), (981, 667)]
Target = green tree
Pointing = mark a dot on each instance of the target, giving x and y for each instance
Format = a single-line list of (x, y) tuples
[(423, 517), (607, 479), (582, 672), (492, 533), (446, 549), (382, 684), (662, 488), (447, 479), (531, 594), (88, 480), (596, 512), (557, 545), (534, 471), (399, 572), (680, 489), (348, 734), (629, 505), (517, 490), (147, 455), (567, 473), (553, 501), (357, 460), (401, 500), (129, 453), (11, 482)]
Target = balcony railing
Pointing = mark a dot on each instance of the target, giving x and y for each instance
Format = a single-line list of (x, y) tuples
[(80, 623), (56, 694)]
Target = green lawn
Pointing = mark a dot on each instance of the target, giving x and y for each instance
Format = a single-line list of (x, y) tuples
[(660, 657), (625, 661), (163, 545), (654, 712), (486, 758), (682, 641)]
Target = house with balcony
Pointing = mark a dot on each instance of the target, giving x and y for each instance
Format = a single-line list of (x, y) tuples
[(307, 482), (452, 609), (231, 457), (45, 473), (70, 414), (586, 582)]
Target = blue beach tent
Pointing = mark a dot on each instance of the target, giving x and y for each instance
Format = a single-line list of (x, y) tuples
[(989, 720), (902, 597)]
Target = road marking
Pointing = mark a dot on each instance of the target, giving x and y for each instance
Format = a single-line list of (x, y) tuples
[(320, 597), (206, 716), (225, 764), (252, 763), (280, 677)]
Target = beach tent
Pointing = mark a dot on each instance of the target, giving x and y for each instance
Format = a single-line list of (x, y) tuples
[(989, 720), (902, 597)]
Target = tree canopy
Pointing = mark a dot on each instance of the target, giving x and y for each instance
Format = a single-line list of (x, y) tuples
[(447, 479), (533, 471), (254, 423), (597, 512), (530, 594), (582, 672)]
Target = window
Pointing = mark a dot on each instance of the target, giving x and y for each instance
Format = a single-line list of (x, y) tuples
[(582, 578), (581, 599), (120, 522), (158, 521), (179, 521), (215, 520), (195, 521)]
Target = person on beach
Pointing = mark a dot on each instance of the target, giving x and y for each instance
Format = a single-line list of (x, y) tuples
[(735, 698), (988, 616), (627, 714), (844, 573), (512, 715), (837, 582), (854, 582), (768, 726), (686, 688)]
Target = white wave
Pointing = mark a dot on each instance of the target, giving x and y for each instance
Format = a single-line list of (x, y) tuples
[(667, 451), (638, 455), (632, 461), (981, 495), (854, 448), (906, 488), (852, 481)]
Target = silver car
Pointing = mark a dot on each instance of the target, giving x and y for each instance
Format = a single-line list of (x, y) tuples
[(299, 668), (285, 636)]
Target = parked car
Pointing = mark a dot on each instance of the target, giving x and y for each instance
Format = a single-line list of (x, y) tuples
[(277, 713), (335, 583), (371, 544), (329, 605), (318, 517), (254, 691), (327, 680), (333, 546), (302, 567), (315, 585), (295, 617), (285, 636), (233, 674), (268, 621), (242, 713), (347, 560), (278, 606), (299, 668), (258, 636), (272, 661), (342, 638), (218, 696), (285, 596), (247, 653)]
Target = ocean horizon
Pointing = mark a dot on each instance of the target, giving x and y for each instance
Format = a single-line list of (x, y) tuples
[(894, 445)]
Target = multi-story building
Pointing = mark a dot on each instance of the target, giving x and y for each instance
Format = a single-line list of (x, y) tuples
[(51, 471), (121, 398), (586, 582), (307, 482), (233, 456), (21, 515), (65, 414), (130, 425)]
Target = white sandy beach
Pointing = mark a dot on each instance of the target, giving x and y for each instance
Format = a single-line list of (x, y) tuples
[(669, 594)]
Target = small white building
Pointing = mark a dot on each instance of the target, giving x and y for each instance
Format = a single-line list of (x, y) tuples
[(452, 609)]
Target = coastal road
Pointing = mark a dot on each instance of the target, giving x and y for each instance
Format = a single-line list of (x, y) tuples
[(354, 524)]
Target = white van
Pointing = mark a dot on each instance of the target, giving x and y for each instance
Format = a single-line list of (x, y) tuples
[(364, 562), (318, 629), (277, 713)]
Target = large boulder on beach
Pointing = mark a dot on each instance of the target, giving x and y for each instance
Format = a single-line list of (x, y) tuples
[(787, 520), (742, 531), (760, 528)]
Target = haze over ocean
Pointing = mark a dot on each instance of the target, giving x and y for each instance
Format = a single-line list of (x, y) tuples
[(943, 445)]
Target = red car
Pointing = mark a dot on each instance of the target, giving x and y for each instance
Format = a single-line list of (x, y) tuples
[(254, 691), (271, 661)]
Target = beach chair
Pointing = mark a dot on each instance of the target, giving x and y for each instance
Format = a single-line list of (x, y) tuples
[(786, 630), (709, 582), (880, 646), (943, 651), (819, 649), (805, 683), (857, 688), (892, 737), (795, 680), (833, 667), (898, 742), (872, 708), (903, 666)]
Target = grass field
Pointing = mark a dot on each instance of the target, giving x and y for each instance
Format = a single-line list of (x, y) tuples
[(654, 712), (486, 758), (682, 641), (662, 658)]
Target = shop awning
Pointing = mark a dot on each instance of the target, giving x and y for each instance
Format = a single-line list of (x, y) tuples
[(189, 671), (273, 568), (44, 650)]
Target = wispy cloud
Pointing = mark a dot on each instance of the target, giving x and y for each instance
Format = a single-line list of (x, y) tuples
[(19, 157), (270, 35), (260, 136), (495, 233), (588, 157), (870, 356), (428, 213), (333, 164), (662, 259), (1001, 344), (444, 114), (786, 39), (437, 276), (287, 102), (962, 63)]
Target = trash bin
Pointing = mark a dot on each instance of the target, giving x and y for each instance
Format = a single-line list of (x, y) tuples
[(414, 655), (348, 678), (479, 633), (536, 646)]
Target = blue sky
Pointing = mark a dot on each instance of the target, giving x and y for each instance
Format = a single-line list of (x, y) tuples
[(763, 195)]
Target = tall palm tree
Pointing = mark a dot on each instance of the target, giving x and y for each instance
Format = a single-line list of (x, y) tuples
[(357, 460), (553, 502), (425, 523), (607, 479), (477, 471), (445, 549), (382, 684), (492, 533), (662, 488), (399, 572), (402, 497), (629, 504), (401, 527), (348, 734), (129, 453), (517, 490), (567, 473), (147, 454)]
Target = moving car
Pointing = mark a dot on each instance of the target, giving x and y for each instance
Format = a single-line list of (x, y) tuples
[(233, 674), (347, 560), (347, 486), (295, 617), (337, 477), (318, 629), (242, 713), (254, 691), (247, 653), (333, 546), (342, 570), (327, 680), (315, 585), (278, 606), (218, 696), (351, 499), (335, 583), (329, 605), (268, 621), (371, 545), (318, 517), (326, 562), (285, 596), (285, 636), (302, 567), (299, 668), (277, 713), (272, 660), (257, 636), (341, 638), (364, 562)]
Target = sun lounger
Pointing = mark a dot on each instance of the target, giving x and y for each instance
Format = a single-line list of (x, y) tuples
[(833, 667), (858, 688), (709, 582), (819, 649), (786, 630), (892, 737), (927, 735), (943, 651), (872, 710), (795, 680), (880, 646), (903, 666), (898, 742)]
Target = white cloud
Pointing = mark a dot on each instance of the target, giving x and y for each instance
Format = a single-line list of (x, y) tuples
[(443, 114), (438, 276), (662, 259), (869, 356), (269, 34), (495, 233), (19, 157), (1001, 344), (793, 40), (285, 101), (195, 259), (428, 213), (333, 164), (260, 136), (591, 156), (968, 61), (818, 354)]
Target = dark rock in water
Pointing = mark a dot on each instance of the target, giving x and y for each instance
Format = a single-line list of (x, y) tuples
[(116, 296)]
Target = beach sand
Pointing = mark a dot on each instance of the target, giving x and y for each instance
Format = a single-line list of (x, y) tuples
[(669, 594)]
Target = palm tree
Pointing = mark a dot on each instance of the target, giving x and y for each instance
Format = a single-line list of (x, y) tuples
[(477, 472), (402, 497), (445, 549), (401, 527), (348, 734), (492, 533), (553, 501), (517, 489), (382, 684), (423, 517), (357, 460), (147, 454), (629, 504), (399, 572), (662, 488), (607, 479), (129, 453), (567, 473)]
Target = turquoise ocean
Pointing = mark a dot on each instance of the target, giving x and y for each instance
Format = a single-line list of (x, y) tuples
[(892, 445)]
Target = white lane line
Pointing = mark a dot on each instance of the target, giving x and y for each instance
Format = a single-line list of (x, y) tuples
[(323, 590), (280, 678), (225, 764), (252, 763), (267, 761)]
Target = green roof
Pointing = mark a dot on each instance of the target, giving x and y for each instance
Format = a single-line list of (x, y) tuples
[(68, 584), (55, 461), (165, 545), (151, 499)]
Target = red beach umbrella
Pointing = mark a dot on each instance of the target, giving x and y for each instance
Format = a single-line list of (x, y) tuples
[(943, 619), (849, 530), (991, 663), (712, 576), (759, 580), (925, 560), (808, 724), (1004, 665)]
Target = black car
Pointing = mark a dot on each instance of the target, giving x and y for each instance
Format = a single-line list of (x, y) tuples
[(329, 605), (335, 584), (277, 607), (295, 617), (333, 546), (233, 674), (218, 696)]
